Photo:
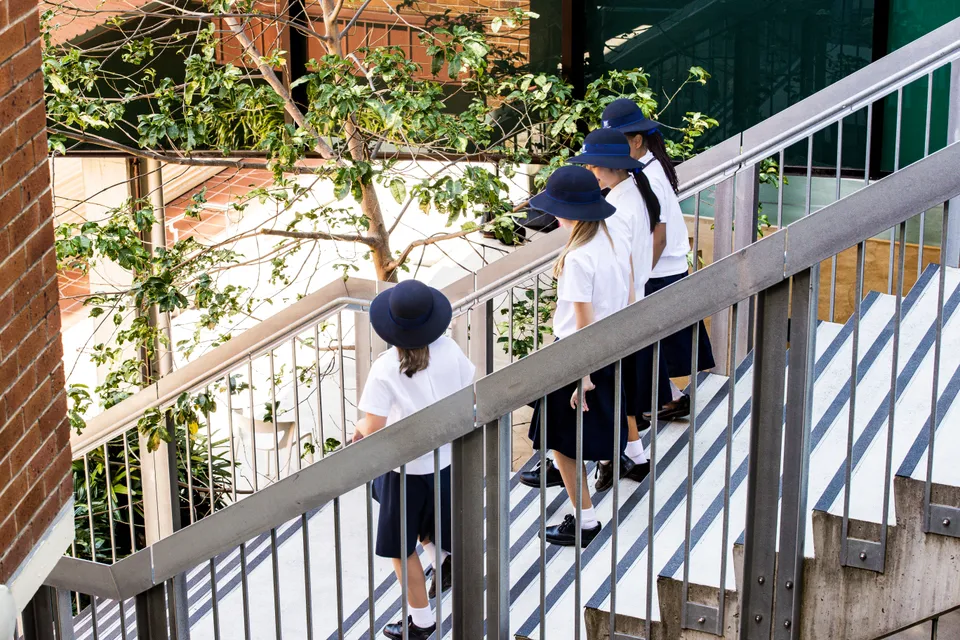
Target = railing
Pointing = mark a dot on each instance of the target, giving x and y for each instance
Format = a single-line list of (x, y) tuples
[(721, 292)]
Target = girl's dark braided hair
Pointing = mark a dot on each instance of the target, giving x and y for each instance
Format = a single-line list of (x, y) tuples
[(649, 197)]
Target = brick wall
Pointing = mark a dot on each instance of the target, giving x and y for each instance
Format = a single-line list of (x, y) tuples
[(35, 479)]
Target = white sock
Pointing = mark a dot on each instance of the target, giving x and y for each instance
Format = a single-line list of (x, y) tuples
[(430, 551), (635, 452), (675, 391), (423, 618), (588, 518)]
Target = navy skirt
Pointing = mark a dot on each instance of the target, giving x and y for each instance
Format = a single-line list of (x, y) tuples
[(638, 381), (598, 422), (420, 512), (676, 351)]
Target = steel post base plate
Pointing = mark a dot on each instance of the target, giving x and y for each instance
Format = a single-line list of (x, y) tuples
[(944, 520), (864, 554), (701, 617)]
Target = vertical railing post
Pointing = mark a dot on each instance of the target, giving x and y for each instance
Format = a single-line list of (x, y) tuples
[(796, 455), (763, 470), (498, 436), (40, 614), (723, 207), (952, 241), (746, 205), (152, 614), (467, 523)]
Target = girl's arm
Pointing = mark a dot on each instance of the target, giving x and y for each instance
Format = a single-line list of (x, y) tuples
[(367, 425), (583, 313), (659, 241)]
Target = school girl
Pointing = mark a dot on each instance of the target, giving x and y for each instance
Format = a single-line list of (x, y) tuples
[(671, 244), (422, 367), (590, 287), (606, 153)]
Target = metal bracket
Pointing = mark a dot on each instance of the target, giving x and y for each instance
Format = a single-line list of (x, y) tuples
[(864, 554), (700, 617), (624, 636), (944, 520)]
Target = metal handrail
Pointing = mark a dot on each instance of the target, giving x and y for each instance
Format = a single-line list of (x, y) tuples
[(706, 169), (768, 262)]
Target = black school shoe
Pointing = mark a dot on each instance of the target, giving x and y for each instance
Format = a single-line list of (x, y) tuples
[(673, 410), (638, 473), (447, 578), (532, 478), (395, 631), (605, 473), (565, 533)]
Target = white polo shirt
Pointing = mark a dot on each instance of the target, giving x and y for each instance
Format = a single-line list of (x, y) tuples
[(591, 273), (673, 260), (630, 228), (393, 394)]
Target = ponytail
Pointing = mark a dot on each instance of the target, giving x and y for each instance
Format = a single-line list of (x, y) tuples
[(649, 197), (654, 143)]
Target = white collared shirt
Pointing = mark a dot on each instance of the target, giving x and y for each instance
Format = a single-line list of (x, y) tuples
[(673, 260), (393, 394), (630, 229), (591, 273)]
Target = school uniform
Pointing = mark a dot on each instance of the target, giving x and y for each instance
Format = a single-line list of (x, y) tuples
[(389, 392), (676, 350), (637, 367), (591, 273)]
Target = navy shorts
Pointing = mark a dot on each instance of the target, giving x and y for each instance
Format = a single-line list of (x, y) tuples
[(420, 512)]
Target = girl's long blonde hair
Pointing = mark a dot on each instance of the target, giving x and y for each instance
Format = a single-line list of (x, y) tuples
[(583, 232)]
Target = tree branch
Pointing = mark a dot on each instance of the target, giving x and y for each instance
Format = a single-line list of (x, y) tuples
[(427, 242), (316, 235), (289, 105)]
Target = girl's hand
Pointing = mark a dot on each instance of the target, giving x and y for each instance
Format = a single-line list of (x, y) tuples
[(587, 386), (357, 436)]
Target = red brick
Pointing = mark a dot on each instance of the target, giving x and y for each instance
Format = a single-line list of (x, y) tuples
[(38, 181), (12, 40), (10, 434), (31, 502), (28, 287), (51, 357), (8, 139), (11, 270), (22, 388), (5, 477), (15, 331), (17, 553), (35, 406), (16, 9), (60, 468), (54, 416), (45, 515), (53, 325), (31, 26), (6, 308), (51, 294), (41, 241), (11, 495), (25, 224), (8, 532), (26, 62), (24, 450), (49, 261), (8, 373)]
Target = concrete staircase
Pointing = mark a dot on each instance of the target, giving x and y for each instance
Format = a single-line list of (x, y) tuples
[(831, 593)]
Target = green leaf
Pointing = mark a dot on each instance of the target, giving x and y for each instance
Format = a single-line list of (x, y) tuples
[(399, 190), (495, 25)]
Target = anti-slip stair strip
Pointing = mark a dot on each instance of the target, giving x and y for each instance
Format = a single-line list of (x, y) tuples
[(918, 449)]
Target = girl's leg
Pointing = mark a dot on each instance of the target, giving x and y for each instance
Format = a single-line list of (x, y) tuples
[(416, 581), (568, 471)]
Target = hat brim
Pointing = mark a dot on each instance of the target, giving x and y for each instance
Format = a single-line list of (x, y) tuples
[(609, 162), (591, 211), (414, 338), (638, 127)]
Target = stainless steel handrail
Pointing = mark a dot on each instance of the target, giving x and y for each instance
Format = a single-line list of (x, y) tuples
[(769, 261)]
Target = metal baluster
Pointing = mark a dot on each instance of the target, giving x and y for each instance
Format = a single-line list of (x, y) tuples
[(926, 152), (371, 600), (275, 414), (497, 436), (685, 617), (404, 595), (510, 325), (934, 624), (113, 544), (935, 392), (233, 442), (896, 167), (779, 195), (438, 540), (728, 465), (809, 203), (851, 417), (542, 432), (296, 403), (316, 349), (244, 591), (307, 585), (615, 517), (343, 388), (253, 428), (536, 313), (188, 461), (276, 583), (833, 260), (651, 495), (578, 536), (126, 466), (888, 465), (338, 564), (93, 545)]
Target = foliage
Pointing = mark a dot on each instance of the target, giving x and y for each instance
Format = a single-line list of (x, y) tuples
[(527, 330)]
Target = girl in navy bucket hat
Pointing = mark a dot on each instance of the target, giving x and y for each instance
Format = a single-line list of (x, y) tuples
[(606, 153), (422, 367), (590, 287), (671, 243)]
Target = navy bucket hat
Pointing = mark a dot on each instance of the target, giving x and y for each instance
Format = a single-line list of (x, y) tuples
[(606, 148), (625, 116), (410, 315), (573, 193)]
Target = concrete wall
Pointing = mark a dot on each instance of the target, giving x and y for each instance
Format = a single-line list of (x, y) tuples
[(35, 478)]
